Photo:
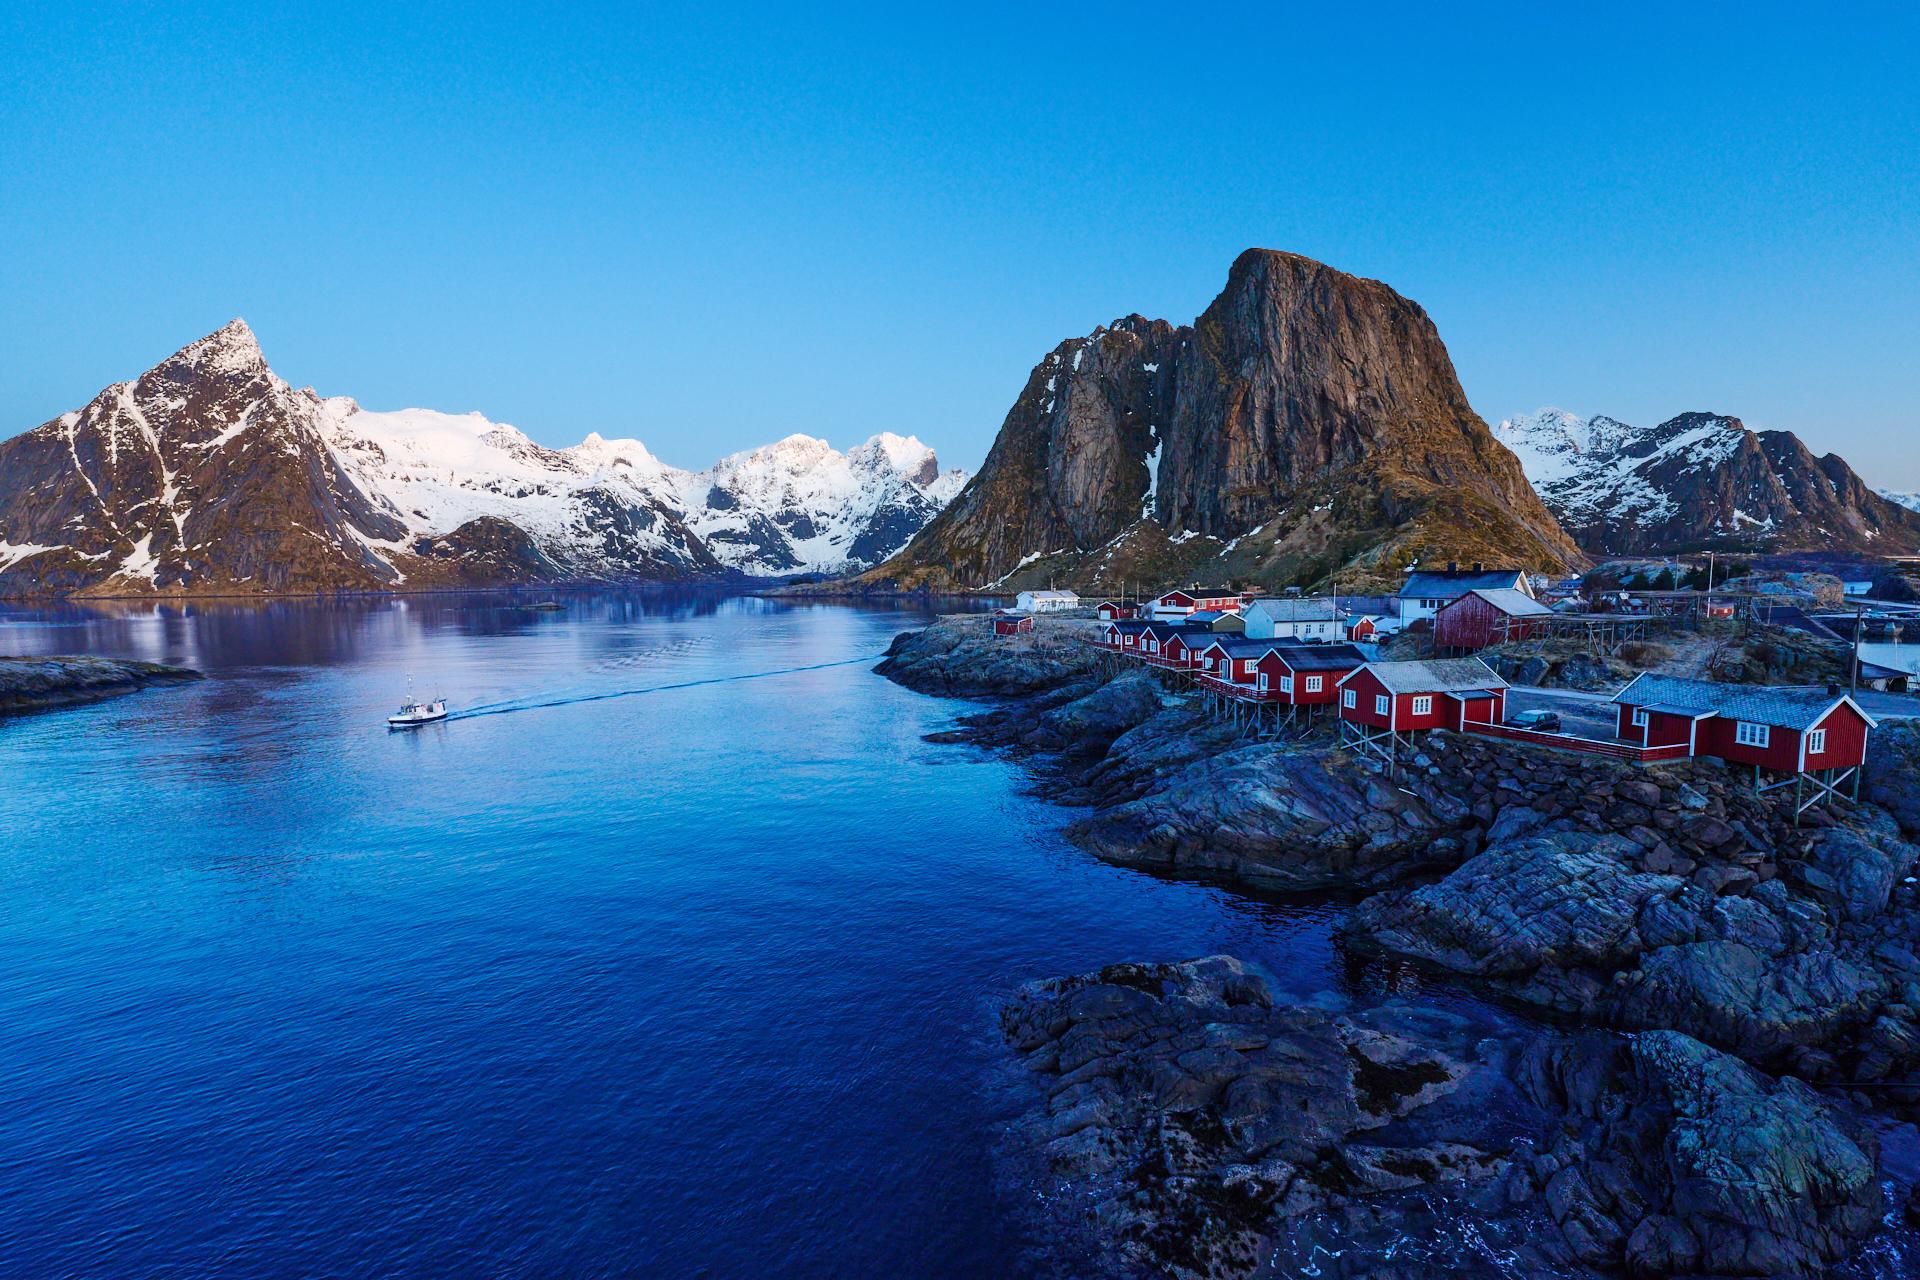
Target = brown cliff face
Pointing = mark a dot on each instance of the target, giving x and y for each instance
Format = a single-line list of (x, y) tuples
[(206, 470), (1308, 425), (1069, 467)]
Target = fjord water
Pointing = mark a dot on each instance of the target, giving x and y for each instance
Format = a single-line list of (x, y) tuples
[(666, 965)]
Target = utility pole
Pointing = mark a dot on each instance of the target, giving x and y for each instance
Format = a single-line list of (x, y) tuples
[(1853, 666)]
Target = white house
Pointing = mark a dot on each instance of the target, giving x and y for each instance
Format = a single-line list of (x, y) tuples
[(1046, 601), (1302, 618)]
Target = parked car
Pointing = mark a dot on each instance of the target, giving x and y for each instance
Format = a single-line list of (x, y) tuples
[(1539, 721)]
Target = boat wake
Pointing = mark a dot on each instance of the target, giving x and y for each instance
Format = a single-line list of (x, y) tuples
[(514, 705)]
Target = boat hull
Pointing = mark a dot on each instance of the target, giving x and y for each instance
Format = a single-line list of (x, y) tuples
[(414, 722)]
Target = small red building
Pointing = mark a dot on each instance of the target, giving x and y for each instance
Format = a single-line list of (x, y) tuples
[(1794, 734), (1009, 622), (1182, 601), (1364, 627), (1309, 675), (1381, 701), (1113, 610), (1487, 615)]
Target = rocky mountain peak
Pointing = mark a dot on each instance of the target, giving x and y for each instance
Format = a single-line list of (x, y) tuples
[(1696, 480), (230, 351), (1309, 422)]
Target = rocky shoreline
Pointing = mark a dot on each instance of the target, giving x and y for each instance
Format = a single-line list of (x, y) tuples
[(1718, 1005), (39, 684)]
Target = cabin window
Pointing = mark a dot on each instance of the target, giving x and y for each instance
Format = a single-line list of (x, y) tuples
[(1382, 704), (1748, 734), (1423, 705), (1313, 684), (1286, 686), (1816, 742), (1640, 719), (1348, 698)]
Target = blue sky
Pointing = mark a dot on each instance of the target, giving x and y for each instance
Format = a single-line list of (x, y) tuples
[(712, 226)]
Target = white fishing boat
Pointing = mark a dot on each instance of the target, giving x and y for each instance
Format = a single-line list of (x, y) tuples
[(414, 712)]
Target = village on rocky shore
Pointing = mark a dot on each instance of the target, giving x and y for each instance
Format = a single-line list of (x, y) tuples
[(1714, 987)]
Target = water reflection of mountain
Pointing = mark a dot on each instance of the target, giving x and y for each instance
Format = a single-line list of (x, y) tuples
[(325, 631)]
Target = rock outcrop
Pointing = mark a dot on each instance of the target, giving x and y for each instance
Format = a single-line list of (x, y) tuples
[(1199, 1114), (1190, 1124), (35, 684), (1308, 424)]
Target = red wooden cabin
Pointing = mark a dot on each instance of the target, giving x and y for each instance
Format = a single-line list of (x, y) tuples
[(1382, 701), (1113, 610), (1488, 616), (1184, 600), (1008, 622), (1309, 675), (1790, 733), (1364, 627)]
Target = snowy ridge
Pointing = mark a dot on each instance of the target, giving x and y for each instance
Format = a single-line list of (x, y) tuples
[(795, 506), (1911, 501), (211, 471), (1695, 480)]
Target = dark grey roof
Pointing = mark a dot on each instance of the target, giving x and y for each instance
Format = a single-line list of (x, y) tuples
[(1364, 606), (1198, 592), (1242, 647), (1322, 657), (1440, 584), (1782, 708)]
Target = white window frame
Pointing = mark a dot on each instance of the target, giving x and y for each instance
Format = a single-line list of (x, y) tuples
[(1286, 684), (1313, 684), (1816, 741), (1423, 705), (1640, 718), (1748, 733), (1349, 699), (1382, 705), (1260, 680)]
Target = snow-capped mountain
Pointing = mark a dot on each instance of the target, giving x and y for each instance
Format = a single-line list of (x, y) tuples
[(210, 474), (1698, 480), (800, 506), (1911, 501)]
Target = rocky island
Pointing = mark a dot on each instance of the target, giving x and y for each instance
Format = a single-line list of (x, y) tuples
[(1713, 1007), (36, 684)]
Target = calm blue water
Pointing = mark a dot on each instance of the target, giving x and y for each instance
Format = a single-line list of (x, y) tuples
[(689, 982)]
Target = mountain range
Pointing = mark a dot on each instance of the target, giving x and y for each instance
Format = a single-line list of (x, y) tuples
[(1699, 481), (1307, 426), (209, 474)]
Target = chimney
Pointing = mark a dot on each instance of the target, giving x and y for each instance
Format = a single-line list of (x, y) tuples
[(1478, 567), (1453, 566)]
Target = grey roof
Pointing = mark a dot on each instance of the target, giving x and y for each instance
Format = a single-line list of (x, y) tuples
[(1757, 704), (1439, 675), (1051, 595), (1516, 604), (1364, 606), (1288, 609), (1207, 616), (1440, 584)]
